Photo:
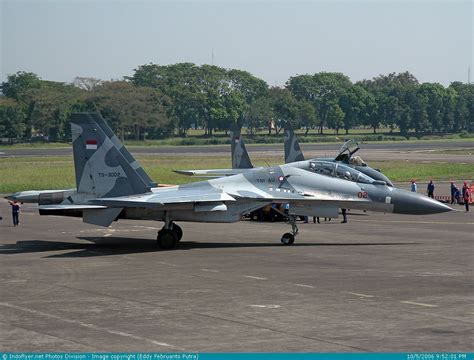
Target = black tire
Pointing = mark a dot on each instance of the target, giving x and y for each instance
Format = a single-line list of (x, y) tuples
[(178, 232), (288, 239), (166, 239)]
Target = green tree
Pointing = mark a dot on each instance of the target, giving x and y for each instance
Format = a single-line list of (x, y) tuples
[(322, 89), (132, 109), (334, 116), (357, 105), (259, 114), (12, 119), (18, 84), (305, 115), (52, 104), (284, 108), (17, 87)]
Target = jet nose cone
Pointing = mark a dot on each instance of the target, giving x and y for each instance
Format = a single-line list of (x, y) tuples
[(11, 197), (406, 202)]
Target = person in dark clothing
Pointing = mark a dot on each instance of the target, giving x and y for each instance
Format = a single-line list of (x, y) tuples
[(454, 191), (430, 189), (344, 216), (15, 212)]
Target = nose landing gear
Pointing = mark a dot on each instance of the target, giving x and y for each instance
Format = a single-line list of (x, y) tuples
[(289, 238)]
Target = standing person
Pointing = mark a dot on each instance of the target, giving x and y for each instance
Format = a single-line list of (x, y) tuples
[(344, 216), (286, 208), (454, 191), (466, 194), (430, 189), (413, 186), (15, 212)]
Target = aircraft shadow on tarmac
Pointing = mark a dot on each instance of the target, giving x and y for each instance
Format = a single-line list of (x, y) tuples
[(98, 246)]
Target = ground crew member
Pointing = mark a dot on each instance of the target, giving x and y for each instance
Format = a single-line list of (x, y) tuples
[(430, 189), (15, 212), (344, 216), (413, 186), (466, 196), (454, 191)]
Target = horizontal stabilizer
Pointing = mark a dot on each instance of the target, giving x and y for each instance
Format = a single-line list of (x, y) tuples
[(100, 217), (70, 207)]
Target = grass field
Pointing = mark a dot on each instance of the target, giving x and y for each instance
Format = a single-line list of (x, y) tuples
[(35, 173)]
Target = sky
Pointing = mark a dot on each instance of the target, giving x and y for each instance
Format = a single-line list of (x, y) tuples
[(59, 40)]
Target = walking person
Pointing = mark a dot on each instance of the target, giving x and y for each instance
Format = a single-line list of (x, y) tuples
[(430, 189), (454, 191), (15, 212), (413, 186), (344, 216), (466, 196)]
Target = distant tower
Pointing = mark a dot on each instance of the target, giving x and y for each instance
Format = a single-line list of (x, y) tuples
[(469, 75), (212, 57)]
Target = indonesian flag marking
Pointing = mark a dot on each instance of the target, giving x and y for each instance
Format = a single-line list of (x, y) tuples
[(91, 144)]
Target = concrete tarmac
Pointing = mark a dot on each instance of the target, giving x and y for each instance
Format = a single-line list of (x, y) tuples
[(381, 282)]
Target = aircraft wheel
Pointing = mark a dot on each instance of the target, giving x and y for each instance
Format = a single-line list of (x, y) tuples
[(178, 232), (167, 239), (288, 239)]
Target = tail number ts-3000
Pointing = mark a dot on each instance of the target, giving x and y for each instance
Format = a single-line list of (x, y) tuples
[(110, 174)]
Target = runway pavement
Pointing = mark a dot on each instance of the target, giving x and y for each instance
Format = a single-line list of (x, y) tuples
[(379, 283), (328, 149)]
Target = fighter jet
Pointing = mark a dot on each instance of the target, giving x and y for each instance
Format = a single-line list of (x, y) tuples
[(109, 188)]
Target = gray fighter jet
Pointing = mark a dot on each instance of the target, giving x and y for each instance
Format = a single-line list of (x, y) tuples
[(109, 188)]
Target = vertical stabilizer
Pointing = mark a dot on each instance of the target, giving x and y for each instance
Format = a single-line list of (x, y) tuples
[(121, 147), (292, 147), (101, 169), (240, 156)]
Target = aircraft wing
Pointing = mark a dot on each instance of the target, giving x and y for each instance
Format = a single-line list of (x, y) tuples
[(167, 197), (213, 172)]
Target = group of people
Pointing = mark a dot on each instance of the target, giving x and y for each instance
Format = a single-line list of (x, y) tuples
[(456, 194), (430, 188)]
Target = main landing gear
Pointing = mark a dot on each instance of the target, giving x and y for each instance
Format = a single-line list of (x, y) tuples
[(169, 236)]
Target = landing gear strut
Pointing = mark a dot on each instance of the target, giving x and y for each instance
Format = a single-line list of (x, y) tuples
[(289, 238), (169, 236)]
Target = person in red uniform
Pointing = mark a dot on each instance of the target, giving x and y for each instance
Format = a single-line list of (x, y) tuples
[(466, 194)]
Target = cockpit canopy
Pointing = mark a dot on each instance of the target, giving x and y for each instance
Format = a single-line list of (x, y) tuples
[(339, 170)]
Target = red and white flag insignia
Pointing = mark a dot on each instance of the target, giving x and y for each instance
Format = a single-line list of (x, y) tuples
[(91, 144)]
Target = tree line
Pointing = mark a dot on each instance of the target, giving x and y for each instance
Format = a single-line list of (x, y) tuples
[(158, 101)]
